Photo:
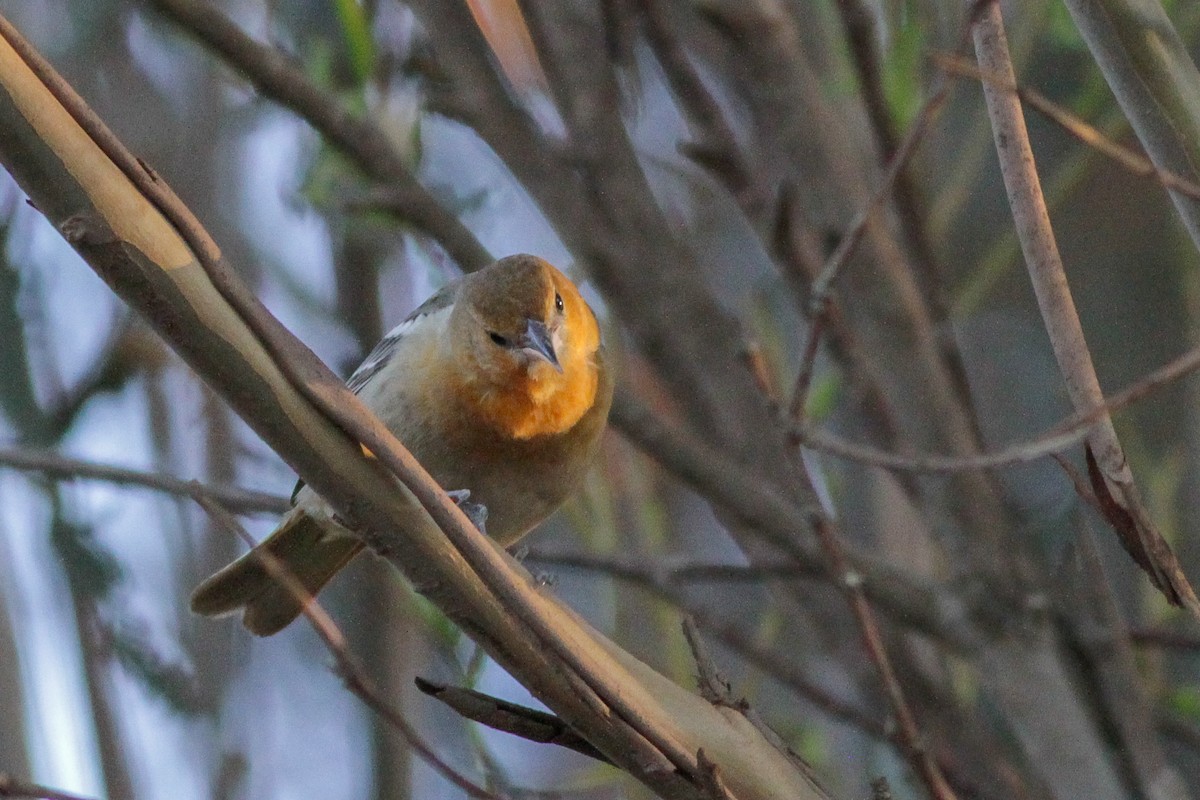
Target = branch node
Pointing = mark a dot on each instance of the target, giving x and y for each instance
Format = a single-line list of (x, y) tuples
[(712, 684), (709, 778), (86, 228)]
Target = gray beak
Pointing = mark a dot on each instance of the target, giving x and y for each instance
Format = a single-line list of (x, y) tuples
[(536, 341)]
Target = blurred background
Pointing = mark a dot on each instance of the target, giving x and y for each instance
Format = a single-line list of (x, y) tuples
[(110, 688)]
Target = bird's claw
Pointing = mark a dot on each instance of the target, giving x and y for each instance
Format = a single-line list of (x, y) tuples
[(476, 512)]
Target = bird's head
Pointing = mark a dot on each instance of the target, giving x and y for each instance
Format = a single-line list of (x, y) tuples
[(525, 319), (525, 335)]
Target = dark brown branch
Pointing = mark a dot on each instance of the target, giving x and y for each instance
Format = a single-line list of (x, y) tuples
[(671, 573), (1164, 639), (277, 77), (527, 723), (12, 787), (53, 465), (713, 686)]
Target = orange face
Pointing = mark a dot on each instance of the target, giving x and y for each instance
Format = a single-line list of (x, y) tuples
[(528, 340)]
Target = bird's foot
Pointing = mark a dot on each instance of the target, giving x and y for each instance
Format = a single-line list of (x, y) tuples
[(476, 512), (547, 579)]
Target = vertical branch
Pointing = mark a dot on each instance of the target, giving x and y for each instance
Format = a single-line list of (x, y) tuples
[(14, 755), (1112, 478)]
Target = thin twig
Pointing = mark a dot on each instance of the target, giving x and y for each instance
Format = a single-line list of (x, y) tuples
[(712, 684), (668, 572), (808, 362), (858, 22), (1061, 437), (823, 285), (352, 674), (928, 112), (821, 295), (1164, 639), (12, 787), (852, 584), (527, 723), (1128, 158), (58, 467)]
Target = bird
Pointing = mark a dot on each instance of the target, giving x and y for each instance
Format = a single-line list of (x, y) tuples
[(499, 386)]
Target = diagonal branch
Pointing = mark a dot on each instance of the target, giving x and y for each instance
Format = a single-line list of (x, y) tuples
[(1063, 436), (277, 77), (501, 715), (13, 787)]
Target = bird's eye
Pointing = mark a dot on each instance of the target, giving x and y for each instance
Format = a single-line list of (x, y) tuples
[(558, 302), (498, 339)]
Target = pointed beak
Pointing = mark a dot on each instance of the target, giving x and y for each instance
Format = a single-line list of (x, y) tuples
[(536, 341)]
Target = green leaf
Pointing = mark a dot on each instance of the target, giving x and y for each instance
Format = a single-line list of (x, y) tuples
[(903, 87), (823, 396), (356, 32), (1185, 701)]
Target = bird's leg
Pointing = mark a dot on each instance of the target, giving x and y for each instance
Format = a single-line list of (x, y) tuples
[(539, 577), (476, 512)]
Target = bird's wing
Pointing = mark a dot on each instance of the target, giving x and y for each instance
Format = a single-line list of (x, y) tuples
[(383, 351)]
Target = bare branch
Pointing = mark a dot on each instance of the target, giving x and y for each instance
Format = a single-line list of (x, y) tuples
[(13, 787), (851, 583), (528, 723), (53, 465), (276, 77), (1129, 159), (1063, 436)]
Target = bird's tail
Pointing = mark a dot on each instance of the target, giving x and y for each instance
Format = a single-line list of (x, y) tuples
[(311, 550)]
